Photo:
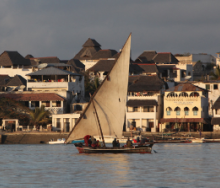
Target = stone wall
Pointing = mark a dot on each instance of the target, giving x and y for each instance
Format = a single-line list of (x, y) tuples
[(23, 138)]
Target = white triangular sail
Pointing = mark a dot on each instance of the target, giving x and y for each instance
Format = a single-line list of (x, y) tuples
[(109, 100)]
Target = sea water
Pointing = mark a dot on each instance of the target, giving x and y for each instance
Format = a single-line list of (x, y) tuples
[(169, 165)]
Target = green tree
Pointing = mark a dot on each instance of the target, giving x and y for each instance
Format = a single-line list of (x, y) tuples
[(11, 109), (40, 116), (216, 74), (90, 84)]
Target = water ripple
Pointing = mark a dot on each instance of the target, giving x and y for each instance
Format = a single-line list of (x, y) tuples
[(174, 165)]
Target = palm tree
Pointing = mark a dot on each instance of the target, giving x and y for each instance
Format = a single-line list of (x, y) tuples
[(39, 116)]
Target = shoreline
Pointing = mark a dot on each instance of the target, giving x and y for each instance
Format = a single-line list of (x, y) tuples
[(36, 137)]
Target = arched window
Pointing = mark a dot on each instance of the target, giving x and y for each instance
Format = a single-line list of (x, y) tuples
[(195, 111), (194, 94), (177, 109), (172, 94), (168, 111), (186, 111), (183, 94)]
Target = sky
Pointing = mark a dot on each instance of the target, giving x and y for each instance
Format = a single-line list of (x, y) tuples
[(60, 28)]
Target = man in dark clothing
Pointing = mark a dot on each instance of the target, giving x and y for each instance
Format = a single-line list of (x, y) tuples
[(114, 143), (129, 143)]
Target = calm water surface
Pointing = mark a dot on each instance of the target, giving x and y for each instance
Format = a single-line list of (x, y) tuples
[(174, 165)]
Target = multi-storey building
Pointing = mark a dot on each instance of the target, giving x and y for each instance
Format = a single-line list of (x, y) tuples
[(185, 108), (144, 106), (213, 86)]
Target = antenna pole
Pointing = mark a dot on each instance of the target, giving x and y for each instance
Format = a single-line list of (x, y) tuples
[(99, 123)]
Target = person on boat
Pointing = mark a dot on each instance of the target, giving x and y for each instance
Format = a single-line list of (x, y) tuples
[(114, 143), (94, 143), (86, 140), (118, 144), (129, 143), (98, 144)]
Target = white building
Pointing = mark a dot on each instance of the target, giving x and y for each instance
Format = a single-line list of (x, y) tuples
[(64, 122), (144, 106), (12, 63), (213, 86)]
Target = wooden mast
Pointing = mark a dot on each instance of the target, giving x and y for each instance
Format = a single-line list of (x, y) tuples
[(99, 123)]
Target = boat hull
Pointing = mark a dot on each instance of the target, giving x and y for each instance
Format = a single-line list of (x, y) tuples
[(134, 149)]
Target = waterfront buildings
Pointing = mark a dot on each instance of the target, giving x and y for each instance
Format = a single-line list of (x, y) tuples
[(185, 108)]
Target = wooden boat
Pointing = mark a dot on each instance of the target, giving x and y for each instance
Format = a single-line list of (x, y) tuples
[(105, 112), (134, 149)]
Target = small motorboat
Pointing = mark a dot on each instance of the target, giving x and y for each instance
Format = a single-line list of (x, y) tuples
[(197, 140), (58, 141)]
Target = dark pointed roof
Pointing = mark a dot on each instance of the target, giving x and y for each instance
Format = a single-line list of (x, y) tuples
[(76, 65), (145, 83), (102, 65), (104, 54), (165, 58), (91, 43), (90, 47), (186, 87), (10, 58), (140, 68), (146, 57), (17, 80), (52, 71)]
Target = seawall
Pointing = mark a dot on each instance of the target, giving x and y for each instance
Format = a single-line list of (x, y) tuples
[(30, 138)]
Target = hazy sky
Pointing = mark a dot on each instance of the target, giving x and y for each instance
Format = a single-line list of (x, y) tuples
[(60, 27)]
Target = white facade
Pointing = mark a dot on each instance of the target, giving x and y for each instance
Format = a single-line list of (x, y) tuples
[(64, 122), (76, 86), (184, 71), (53, 108), (143, 120), (19, 70), (214, 92), (89, 63)]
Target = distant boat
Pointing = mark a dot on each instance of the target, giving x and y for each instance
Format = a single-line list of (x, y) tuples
[(197, 140), (58, 141), (105, 113), (211, 140)]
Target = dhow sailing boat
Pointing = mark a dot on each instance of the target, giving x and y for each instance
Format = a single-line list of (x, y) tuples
[(105, 113)]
